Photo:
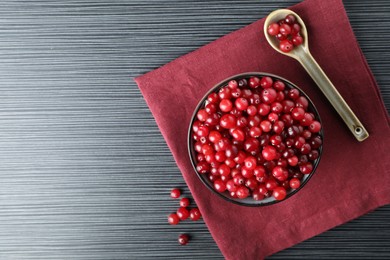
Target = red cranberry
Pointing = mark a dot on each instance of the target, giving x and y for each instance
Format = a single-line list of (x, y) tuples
[(265, 126), (315, 127), (297, 40), (254, 82), (266, 82), (219, 185), (228, 121), (273, 29), (257, 195), (232, 84), (173, 219), (231, 186), (242, 192), (279, 193), (268, 95), (225, 93), (290, 19), (183, 213), (238, 180), (184, 202), (286, 46), (225, 105), (183, 239), (271, 184), (269, 153), (306, 168), (285, 29), (241, 103), (251, 145), (175, 193), (295, 183), (264, 109), (195, 214), (213, 98)]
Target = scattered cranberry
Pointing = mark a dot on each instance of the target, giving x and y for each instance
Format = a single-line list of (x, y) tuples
[(262, 141), (184, 202), (287, 31), (183, 213), (195, 214), (175, 193), (183, 239), (173, 219)]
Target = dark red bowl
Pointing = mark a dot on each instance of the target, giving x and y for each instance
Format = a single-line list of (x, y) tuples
[(225, 195)]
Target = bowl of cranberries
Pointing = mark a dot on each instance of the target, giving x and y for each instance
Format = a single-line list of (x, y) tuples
[(255, 139)]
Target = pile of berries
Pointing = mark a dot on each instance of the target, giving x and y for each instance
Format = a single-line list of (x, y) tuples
[(256, 137), (287, 31), (183, 213)]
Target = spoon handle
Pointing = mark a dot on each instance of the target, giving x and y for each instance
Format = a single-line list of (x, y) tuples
[(334, 97)]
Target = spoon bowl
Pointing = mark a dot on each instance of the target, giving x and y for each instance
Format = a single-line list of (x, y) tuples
[(302, 54), (280, 14)]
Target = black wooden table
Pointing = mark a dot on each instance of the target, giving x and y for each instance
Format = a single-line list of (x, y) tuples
[(85, 172)]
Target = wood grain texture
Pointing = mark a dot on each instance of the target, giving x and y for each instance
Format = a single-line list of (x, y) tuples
[(85, 172)]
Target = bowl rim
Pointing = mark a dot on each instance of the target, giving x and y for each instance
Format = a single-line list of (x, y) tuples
[(191, 152)]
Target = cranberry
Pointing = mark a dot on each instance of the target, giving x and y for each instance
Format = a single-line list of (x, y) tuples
[(271, 184), (213, 98), (238, 134), (202, 115), (281, 37), (298, 113), (266, 82), (293, 93), (254, 82), (225, 93), (232, 84), (315, 127), (224, 170), (296, 28), (273, 29), (219, 185), (238, 180), (297, 40), (231, 186), (306, 168), (266, 126), (184, 202), (290, 19), (183, 213), (279, 85), (250, 162), (195, 214), (255, 132), (285, 29), (225, 105), (241, 104), (293, 160), (268, 95), (251, 145), (279, 193), (173, 219), (251, 183), (264, 109), (313, 155), (257, 195), (269, 153), (236, 93), (242, 192), (228, 121), (183, 239), (295, 183), (286, 46), (175, 193)]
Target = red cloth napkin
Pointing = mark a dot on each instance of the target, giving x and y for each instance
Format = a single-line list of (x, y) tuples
[(352, 178)]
